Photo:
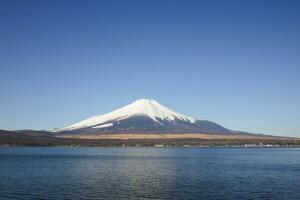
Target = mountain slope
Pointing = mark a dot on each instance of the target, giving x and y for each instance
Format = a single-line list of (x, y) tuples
[(143, 116)]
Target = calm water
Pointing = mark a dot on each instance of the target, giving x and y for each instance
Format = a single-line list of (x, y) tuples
[(149, 173)]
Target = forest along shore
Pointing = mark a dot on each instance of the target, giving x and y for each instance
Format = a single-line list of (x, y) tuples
[(10, 138)]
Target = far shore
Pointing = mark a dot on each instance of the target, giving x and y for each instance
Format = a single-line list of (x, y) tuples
[(9, 138), (143, 136)]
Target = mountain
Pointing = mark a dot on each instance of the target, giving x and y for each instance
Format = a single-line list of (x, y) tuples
[(143, 122), (143, 116)]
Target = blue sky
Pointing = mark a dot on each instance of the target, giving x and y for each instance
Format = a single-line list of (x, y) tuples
[(236, 63)]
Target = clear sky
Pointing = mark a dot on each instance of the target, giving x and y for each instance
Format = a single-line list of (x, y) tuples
[(236, 63)]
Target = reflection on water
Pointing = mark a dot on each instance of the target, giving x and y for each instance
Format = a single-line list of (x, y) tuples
[(149, 173)]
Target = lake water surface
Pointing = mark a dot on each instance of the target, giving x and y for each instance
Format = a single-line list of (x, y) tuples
[(149, 173)]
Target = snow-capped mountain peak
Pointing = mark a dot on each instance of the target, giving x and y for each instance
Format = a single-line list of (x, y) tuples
[(155, 111), (142, 107)]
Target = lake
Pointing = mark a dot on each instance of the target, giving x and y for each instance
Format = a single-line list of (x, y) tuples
[(149, 173)]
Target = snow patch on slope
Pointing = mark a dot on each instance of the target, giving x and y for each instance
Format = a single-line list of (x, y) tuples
[(104, 125)]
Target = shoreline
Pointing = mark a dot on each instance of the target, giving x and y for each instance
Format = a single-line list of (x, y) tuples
[(145, 140), (267, 146)]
